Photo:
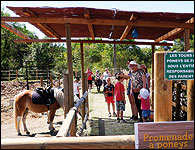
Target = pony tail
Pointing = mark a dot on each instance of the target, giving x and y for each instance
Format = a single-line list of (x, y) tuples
[(15, 112)]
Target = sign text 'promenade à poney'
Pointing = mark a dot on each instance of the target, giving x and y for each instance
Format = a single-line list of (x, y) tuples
[(164, 135)]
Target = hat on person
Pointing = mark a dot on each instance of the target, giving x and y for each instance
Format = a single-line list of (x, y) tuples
[(144, 93), (133, 63)]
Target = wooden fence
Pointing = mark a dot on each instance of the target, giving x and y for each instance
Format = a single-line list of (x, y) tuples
[(64, 130), (92, 142)]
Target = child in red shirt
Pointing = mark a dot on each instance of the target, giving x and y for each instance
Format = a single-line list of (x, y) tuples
[(120, 98)]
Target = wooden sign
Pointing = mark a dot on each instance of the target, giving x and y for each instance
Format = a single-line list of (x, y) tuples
[(164, 135), (179, 65)]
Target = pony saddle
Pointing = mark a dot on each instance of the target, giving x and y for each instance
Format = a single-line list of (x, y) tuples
[(43, 96)]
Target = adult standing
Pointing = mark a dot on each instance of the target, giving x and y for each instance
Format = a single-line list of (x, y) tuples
[(138, 81), (147, 76), (89, 73), (105, 75), (134, 110)]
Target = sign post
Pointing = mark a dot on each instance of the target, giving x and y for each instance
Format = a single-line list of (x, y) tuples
[(179, 65), (164, 135)]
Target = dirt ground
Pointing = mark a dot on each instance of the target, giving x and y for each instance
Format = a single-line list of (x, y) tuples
[(98, 122)]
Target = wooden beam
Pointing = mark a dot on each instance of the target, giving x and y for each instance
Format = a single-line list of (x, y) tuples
[(160, 24), (93, 41), (90, 27), (48, 29), (128, 28), (13, 30), (90, 142), (173, 32)]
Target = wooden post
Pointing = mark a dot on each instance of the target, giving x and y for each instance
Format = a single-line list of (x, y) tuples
[(9, 75), (86, 89), (66, 102), (70, 79), (59, 80), (187, 39), (162, 91), (190, 83), (83, 83), (76, 73), (41, 80), (36, 74), (51, 81), (27, 76), (153, 51), (16, 74)]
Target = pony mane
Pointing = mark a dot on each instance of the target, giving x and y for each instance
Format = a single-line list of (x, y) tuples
[(59, 95)]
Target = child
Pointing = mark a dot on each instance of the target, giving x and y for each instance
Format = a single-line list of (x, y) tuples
[(109, 96), (145, 104), (120, 98), (76, 87)]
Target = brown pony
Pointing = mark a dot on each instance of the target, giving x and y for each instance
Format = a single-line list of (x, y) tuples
[(23, 103)]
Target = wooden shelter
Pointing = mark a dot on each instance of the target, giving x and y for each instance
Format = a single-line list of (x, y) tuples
[(62, 24)]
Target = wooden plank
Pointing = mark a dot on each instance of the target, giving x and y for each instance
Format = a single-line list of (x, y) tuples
[(92, 142), (30, 13), (13, 30), (161, 24), (93, 41), (128, 28), (173, 32), (164, 135), (90, 27), (163, 91)]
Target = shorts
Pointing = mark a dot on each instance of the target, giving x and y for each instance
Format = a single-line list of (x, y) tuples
[(110, 99), (89, 81), (145, 113), (120, 105)]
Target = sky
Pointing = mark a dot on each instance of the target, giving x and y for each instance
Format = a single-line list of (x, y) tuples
[(148, 6)]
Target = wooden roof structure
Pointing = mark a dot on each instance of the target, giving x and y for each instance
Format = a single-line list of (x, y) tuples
[(104, 23)]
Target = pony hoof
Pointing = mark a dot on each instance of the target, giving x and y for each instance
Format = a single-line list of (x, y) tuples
[(19, 134), (27, 132)]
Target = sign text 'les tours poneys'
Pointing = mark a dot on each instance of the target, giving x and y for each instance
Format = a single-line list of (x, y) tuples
[(179, 66)]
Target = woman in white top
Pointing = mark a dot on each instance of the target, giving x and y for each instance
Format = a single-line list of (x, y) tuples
[(76, 87), (105, 75)]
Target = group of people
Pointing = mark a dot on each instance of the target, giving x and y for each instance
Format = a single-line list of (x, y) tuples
[(99, 77), (138, 92)]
